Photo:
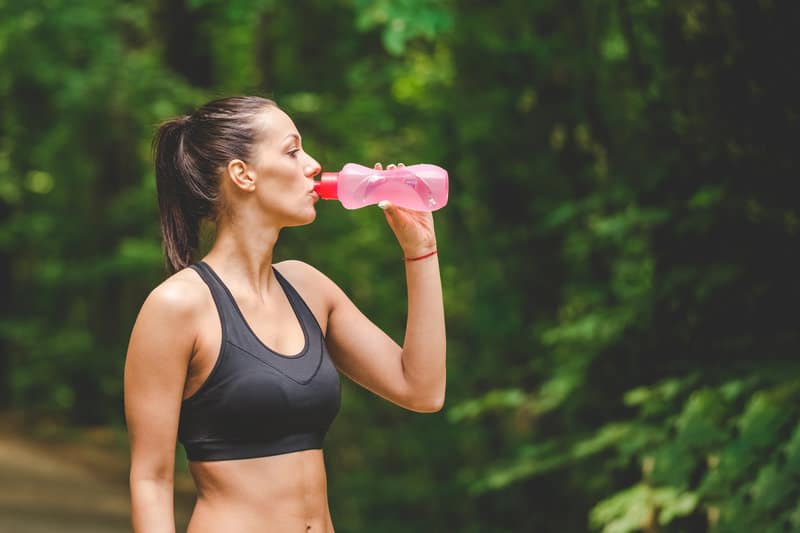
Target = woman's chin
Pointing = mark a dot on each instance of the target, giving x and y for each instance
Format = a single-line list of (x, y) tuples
[(307, 217)]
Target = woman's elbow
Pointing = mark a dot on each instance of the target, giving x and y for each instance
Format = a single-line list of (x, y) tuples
[(434, 406), (431, 404), (152, 472)]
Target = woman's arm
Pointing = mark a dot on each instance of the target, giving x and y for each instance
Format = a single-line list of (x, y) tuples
[(413, 376), (161, 345)]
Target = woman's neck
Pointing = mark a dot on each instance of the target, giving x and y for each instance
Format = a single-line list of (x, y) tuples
[(244, 253)]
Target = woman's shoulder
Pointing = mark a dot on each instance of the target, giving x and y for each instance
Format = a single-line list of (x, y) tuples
[(170, 318), (179, 295), (294, 269), (305, 278)]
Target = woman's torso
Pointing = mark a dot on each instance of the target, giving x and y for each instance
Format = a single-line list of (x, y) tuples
[(286, 490), (282, 494)]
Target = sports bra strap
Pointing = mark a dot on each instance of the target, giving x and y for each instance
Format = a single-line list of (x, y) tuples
[(299, 367), (218, 292)]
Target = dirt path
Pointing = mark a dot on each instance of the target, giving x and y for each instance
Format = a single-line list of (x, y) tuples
[(48, 487)]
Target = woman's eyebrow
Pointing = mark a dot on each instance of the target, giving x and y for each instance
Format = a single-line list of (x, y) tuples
[(296, 136)]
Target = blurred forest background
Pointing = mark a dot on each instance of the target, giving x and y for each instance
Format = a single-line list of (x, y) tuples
[(620, 254)]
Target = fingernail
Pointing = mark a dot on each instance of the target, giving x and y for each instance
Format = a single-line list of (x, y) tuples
[(383, 204)]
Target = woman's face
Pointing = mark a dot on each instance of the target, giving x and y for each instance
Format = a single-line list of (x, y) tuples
[(283, 171)]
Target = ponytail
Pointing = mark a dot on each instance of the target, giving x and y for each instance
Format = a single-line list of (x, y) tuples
[(189, 153), (180, 226)]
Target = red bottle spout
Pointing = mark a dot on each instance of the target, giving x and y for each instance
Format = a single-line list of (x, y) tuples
[(328, 186)]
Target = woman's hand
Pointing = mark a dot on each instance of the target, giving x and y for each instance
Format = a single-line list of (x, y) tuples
[(413, 229)]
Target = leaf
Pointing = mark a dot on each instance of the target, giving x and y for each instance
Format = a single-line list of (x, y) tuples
[(492, 401), (623, 512), (706, 198), (675, 504)]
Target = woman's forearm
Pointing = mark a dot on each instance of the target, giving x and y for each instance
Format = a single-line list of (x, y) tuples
[(424, 346), (152, 506)]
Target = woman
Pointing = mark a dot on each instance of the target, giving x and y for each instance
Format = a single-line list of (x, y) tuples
[(239, 359)]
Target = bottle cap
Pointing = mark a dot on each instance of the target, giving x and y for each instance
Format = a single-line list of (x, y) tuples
[(328, 186)]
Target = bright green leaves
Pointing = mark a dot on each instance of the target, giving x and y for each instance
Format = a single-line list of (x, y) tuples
[(615, 48), (735, 463), (641, 507), (39, 182), (494, 400), (424, 73), (404, 20)]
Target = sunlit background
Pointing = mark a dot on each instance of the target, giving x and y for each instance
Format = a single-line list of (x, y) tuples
[(620, 254)]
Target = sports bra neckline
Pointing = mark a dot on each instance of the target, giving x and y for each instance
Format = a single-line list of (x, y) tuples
[(287, 291)]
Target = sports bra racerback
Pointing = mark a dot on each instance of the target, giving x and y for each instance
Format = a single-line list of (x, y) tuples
[(257, 402)]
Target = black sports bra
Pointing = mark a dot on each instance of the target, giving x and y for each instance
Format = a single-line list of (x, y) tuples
[(257, 402)]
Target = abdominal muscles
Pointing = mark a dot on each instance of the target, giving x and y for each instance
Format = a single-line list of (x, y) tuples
[(281, 493)]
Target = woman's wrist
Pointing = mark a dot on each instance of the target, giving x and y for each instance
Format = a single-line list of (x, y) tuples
[(417, 254), (423, 256)]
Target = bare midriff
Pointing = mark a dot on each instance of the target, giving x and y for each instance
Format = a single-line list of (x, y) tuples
[(284, 493)]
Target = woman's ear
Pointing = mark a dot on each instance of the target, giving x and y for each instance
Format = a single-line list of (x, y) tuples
[(240, 175)]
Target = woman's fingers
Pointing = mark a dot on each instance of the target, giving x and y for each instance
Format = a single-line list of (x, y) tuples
[(390, 166)]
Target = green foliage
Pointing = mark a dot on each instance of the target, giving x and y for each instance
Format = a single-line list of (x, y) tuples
[(732, 459), (404, 20)]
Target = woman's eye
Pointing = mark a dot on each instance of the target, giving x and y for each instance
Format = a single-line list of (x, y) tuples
[(293, 153)]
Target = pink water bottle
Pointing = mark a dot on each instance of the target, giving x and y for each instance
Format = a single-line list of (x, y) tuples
[(421, 187)]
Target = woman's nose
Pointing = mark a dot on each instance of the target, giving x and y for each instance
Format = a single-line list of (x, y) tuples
[(312, 168)]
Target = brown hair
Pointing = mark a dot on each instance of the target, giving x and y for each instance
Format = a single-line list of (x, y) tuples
[(190, 151)]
